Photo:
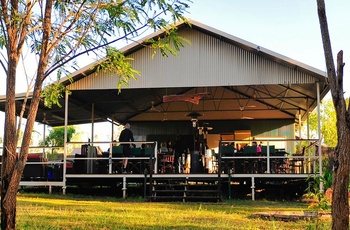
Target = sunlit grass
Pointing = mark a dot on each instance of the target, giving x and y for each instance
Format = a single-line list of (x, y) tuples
[(43, 211)]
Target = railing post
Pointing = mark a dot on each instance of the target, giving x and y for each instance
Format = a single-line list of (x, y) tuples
[(155, 158), (124, 187), (145, 184), (268, 157), (219, 169), (110, 161), (253, 188), (229, 185)]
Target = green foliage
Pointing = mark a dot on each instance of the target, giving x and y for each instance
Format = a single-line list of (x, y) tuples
[(169, 44), (89, 27), (57, 33), (117, 63), (321, 202), (56, 136), (328, 122), (52, 93), (327, 179)]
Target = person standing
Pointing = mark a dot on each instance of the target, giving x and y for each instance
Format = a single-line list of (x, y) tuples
[(180, 155), (126, 136)]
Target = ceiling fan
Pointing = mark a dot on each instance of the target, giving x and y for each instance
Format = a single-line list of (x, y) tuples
[(241, 108), (164, 117), (150, 109), (204, 126), (153, 108)]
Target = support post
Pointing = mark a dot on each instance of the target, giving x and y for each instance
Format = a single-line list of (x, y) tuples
[(268, 162), (229, 184), (44, 135), (124, 187), (65, 144), (319, 135), (92, 123), (253, 188), (145, 184)]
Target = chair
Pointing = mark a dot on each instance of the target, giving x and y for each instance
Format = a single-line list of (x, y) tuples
[(167, 164), (136, 152), (227, 150), (227, 164), (117, 151), (32, 171), (79, 166), (250, 165), (146, 164), (250, 151), (148, 151), (296, 163), (163, 150), (135, 165), (262, 162), (271, 150)]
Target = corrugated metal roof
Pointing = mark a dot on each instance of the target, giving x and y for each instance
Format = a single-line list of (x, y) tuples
[(240, 79), (207, 61)]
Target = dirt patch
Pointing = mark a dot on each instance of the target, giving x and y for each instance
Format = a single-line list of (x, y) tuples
[(289, 216)]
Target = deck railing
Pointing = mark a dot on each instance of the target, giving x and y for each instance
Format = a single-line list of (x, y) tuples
[(301, 157), (48, 166)]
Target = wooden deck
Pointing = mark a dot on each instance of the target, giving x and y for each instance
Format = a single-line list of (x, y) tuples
[(228, 177)]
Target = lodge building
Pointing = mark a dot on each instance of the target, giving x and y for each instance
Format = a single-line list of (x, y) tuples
[(234, 107)]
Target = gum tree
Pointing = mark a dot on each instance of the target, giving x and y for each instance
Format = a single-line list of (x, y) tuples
[(340, 200), (51, 35), (328, 121)]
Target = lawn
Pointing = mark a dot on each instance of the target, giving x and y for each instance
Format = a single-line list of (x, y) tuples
[(43, 211)]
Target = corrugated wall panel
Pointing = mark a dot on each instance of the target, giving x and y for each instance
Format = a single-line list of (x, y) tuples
[(208, 61)]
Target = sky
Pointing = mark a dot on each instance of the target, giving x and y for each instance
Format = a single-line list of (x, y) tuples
[(290, 28)]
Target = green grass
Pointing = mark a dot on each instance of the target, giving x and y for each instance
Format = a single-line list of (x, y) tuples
[(43, 211)]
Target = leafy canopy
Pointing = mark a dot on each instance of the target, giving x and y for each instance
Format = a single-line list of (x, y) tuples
[(328, 122), (56, 136), (93, 28)]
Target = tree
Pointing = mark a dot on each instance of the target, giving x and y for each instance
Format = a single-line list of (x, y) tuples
[(340, 201), (56, 33), (328, 120), (56, 136)]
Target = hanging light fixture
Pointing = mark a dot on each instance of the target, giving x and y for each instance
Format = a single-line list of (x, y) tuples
[(194, 118)]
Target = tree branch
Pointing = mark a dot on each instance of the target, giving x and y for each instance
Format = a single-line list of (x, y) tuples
[(63, 62)]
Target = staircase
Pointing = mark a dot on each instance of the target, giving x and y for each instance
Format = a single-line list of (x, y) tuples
[(185, 189)]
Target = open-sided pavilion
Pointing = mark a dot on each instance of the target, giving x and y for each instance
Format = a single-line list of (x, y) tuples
[(219, 87)]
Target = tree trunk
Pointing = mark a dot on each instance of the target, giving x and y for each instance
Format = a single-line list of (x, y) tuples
[(9, 157), (340, 201), (13, 163)]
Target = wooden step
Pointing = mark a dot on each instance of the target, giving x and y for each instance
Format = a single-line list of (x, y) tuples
[(184, 190)]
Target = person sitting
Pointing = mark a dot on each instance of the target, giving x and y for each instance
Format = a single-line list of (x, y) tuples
[(163, 148), (169, 146), (99, 151)]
